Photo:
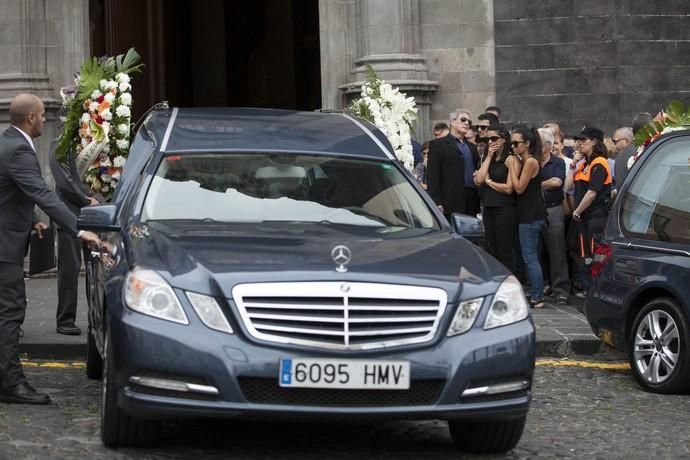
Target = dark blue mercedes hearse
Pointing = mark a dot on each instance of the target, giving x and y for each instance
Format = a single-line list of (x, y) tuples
[(271, 262)]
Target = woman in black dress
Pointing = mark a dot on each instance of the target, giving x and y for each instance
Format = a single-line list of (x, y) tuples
[(531, 212), (498, 196)]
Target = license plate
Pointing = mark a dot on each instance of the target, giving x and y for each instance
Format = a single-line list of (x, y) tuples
[(344, 374)]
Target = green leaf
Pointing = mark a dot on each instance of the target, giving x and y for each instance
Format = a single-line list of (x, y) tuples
[(128, 63), (676, 109)]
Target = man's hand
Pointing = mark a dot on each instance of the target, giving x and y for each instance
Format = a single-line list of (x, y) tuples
[(92, 201), (39, 227), (91, 238)]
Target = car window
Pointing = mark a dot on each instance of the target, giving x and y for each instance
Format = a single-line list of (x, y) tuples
[(657, 203), (257, 187)]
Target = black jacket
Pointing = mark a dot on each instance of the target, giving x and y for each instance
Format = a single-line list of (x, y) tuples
[(69, 188), (22, 186), (445, 174)]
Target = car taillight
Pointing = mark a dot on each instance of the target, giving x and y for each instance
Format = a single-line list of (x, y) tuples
[(602, 254)]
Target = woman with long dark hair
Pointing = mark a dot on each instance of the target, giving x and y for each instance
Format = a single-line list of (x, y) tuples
[(498, 196), (531, 213), (592, 181)]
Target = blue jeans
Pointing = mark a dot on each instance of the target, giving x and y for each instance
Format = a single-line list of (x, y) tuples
[(529, 242)]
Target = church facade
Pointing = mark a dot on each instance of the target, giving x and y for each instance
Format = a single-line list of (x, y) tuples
[(576, 62)]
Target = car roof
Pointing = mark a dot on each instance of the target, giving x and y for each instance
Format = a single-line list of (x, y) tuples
[(219, 129)]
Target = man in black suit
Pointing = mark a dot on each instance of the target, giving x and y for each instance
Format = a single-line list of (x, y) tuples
[(451, 165), (22, 186), (74, 193)]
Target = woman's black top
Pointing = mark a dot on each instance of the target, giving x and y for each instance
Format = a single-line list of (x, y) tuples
[(602, 201), (530, 205), (498, 172)]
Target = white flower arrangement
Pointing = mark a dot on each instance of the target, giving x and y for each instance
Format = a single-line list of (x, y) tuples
[(98, 125), (391, 111)]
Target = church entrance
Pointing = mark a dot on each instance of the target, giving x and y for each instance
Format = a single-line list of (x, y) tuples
[(262, 53)]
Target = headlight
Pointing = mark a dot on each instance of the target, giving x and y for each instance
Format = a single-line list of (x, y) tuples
[(465, 316), (509, 304), (209, 312), (148, 293)]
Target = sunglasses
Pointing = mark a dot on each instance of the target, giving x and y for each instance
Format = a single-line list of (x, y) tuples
[(464, 120), (482, 127), (494, 138), (516, 143)]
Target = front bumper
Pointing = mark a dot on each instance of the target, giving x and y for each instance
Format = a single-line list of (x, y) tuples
[(245, 373)]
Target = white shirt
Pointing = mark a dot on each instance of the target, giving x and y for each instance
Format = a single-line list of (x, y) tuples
[(27, 137)]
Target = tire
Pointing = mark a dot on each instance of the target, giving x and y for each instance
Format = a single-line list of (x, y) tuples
[(658, 348), (117, 428), (486, 437), (94, 362)]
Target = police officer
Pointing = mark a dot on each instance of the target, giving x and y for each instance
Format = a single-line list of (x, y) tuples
[(592, 181)]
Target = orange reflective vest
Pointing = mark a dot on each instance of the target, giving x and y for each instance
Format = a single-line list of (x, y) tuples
[(584, 170)]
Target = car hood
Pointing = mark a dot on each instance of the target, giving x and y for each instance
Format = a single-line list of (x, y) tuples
[(228, 255)]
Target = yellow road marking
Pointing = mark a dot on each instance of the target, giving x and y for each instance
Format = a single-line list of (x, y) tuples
[(617, 366), (613, 366), (55, 364)]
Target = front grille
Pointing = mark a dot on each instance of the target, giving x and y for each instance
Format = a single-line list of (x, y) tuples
[(340, 315), (267, 391)]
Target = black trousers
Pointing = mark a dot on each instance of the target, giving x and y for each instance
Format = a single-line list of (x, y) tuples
[(590, 231), (500, 227), (12, 310), (472, 206), (68, 266)]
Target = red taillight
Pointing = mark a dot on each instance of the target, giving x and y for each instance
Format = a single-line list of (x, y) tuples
[(602, 254)]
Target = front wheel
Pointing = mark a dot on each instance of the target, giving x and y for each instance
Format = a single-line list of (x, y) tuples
[(486, 437), (657, 347)]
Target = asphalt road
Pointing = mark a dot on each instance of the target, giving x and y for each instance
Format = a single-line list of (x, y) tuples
[(578, 412)]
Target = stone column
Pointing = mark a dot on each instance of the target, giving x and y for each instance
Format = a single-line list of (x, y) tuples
[(458, 42), (337, 41), (388, 39), (23, 52), (43, 43)]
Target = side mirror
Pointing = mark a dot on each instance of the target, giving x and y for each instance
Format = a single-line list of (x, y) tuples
[(468, 227), (98, 218)]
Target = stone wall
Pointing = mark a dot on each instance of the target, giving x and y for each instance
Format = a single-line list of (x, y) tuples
[(593, 62)]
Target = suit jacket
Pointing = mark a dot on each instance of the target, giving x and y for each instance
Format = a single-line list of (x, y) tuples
[(69, 188), (620, 168), (22, 186), (445, 174)]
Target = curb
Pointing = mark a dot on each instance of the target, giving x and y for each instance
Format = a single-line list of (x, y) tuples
[(53, 351), (565, 348)]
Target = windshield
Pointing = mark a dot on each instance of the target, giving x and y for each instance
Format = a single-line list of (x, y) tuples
[(276, 187)]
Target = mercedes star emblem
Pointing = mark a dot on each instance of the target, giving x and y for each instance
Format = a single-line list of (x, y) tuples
[(341, 256)]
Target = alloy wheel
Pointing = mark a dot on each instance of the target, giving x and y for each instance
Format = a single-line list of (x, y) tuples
[(657, 346)]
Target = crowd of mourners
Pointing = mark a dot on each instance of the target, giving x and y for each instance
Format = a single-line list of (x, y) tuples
[(543, 195)]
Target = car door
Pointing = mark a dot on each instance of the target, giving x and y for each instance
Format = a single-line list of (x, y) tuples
[(653, 245)]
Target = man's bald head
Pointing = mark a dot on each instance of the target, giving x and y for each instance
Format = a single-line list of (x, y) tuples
[(22, 105), (27, 113)]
